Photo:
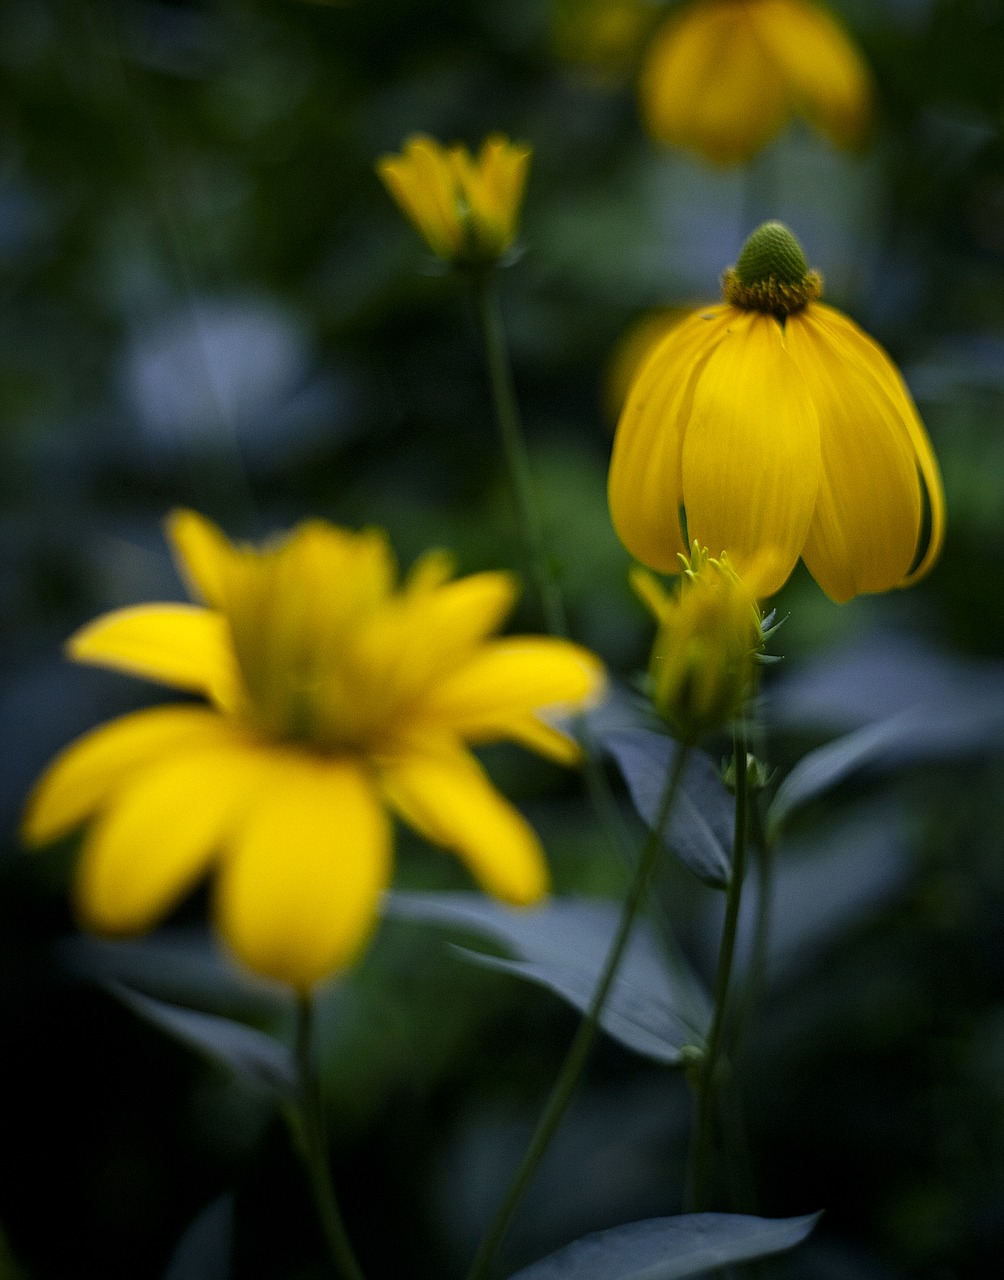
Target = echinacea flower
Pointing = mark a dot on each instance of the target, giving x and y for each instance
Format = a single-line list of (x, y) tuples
[(723, 77), (780, 430), (332, 695), (704, 657), (466, 207)]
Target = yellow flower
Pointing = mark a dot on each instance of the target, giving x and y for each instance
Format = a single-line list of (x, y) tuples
[(723, 77), (333, 694), (467, 209), (704, 658), (780, 429)]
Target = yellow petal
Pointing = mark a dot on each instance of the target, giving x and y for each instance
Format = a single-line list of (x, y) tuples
[(644, 485), (421, 181), (174, 644), (492, 695), (160, 833), (205, 556), (707, 83), (297, 893), (83, 776), (447, 797), (823, 74), (751, 454), (536, 735), (869, 355), (867, 523)]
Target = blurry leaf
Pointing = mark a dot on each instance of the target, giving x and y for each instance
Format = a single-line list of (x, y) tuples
[(702, 823), (204, 1251), (250, 1053), (822, 769), (563, 945), (181, 966), (671, 1248), (959, 703)]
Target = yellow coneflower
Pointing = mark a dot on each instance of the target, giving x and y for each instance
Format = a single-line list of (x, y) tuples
[(333, 695), (722, 77), (779, 429), (466, 208)]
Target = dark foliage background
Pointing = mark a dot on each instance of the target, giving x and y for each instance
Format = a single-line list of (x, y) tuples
[(206, 298)]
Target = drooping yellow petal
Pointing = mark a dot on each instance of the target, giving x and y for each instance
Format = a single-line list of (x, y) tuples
[(866, 526), (751, 453), (867, 354), (158, 836), (83, 776), (644, 486), (823, 74), (447, 797), (496, 692), (180, 645), (707, 83), (205, 556), (297, 893)]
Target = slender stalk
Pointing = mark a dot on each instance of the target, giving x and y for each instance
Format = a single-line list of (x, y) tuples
[(313, 1149), (707, 1081), (516, 455), (568, 1077)]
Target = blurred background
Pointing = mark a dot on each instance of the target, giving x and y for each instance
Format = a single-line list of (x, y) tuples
[(208, 299)]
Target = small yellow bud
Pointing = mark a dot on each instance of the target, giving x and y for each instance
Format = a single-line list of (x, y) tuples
[(704, 659), (466, 207)]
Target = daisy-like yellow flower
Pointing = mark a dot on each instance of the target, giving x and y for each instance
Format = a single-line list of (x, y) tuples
[(780, 430), (723, 77), (704, 657), (466, 208), (332, 695)]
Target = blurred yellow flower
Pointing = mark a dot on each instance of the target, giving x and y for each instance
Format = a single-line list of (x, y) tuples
[(781, 430), (467, 209), (333, 694), (704, 658), (723, 77)]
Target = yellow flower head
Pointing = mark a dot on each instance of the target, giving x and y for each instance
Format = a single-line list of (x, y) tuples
[(333, 694), (723, 77), (704, 659), (467, 209), (781, 430)]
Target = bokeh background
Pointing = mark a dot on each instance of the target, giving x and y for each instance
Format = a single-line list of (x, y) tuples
[(207, 299)]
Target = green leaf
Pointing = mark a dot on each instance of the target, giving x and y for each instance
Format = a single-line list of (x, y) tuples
[(248, 1052), (701, 827), (671, 1248), (653, 1009), (204, 1251), (824, 768)]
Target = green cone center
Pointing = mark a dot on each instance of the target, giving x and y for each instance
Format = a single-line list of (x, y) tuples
[(771, 274)]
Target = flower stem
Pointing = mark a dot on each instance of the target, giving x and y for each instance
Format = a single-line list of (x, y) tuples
[(313, 1148), (708, 1078), (516, 455), (568, 1077)]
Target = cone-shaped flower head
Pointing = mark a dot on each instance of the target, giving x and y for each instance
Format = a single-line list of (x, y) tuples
[(723, 77), (704, 659), (780, 430), (466, 208), (332, 695)]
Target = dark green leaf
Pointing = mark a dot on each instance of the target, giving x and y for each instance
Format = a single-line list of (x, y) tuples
[(824, 768), (701, 826), (250, 1053), (654, 1008), (671, 1248), (204, 1251)]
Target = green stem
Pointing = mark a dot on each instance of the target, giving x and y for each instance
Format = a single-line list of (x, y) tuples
[(707, 1081), (516, 455), (313, 1148), (568, 1077)]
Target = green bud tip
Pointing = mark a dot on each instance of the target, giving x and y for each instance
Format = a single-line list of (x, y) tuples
[(771, 274)]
